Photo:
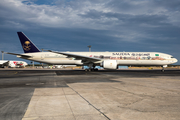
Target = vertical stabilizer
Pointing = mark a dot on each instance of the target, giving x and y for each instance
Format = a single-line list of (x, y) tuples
[(27, 45)]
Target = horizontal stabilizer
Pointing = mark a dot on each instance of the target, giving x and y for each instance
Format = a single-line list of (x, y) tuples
[(21, 55)]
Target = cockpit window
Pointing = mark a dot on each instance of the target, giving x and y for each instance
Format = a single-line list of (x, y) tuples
[(172, 57)]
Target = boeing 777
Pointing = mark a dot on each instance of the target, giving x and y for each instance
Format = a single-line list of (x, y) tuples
[(108, 60)]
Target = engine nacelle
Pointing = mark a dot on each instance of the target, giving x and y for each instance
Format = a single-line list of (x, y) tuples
[(109, 64)]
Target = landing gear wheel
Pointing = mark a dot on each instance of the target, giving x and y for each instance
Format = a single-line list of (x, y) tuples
[(162, 69), (95, 69)]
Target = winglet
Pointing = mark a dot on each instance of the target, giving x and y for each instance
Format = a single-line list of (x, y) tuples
[(27, 45)]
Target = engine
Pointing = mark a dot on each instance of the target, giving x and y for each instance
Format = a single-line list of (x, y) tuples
[(109, 64)]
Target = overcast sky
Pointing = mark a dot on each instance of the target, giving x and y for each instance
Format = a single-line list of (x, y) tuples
[(106, 25)]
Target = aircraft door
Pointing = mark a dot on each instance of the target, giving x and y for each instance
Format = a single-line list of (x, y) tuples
[(42, 57)]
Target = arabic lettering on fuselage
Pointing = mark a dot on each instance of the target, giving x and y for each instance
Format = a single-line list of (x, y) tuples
[(131, 54)]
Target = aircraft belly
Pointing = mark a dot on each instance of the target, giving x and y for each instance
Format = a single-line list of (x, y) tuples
[(63, 62)]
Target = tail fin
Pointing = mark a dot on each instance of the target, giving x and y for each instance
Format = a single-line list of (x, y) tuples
[(27, 45)]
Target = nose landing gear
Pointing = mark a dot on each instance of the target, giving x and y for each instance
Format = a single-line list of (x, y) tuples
[(163, 68)]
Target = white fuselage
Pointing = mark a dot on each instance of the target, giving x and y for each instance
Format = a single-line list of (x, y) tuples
[(122, 58), (3, 61)]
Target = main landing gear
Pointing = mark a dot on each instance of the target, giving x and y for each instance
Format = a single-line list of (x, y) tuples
[(91, 68)]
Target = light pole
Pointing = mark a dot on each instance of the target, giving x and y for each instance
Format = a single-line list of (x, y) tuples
[(32, 63), (89, 46), (2, 55), (42, 51)]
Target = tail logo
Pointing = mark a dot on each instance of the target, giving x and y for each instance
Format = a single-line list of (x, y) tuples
[(27, 46)]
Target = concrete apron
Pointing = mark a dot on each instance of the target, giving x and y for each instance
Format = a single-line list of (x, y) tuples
[(60, 104)]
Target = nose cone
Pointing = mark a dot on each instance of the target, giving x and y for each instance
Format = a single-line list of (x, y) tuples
[(175, 60), (25, 64)]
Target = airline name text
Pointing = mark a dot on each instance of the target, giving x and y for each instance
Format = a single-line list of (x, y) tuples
[(132, 54)]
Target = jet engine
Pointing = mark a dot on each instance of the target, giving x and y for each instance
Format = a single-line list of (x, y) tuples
[(109, 64)]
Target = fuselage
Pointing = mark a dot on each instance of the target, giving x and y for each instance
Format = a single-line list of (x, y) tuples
[(122, 58)]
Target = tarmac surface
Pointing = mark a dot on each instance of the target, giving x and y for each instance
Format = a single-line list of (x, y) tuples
[(32, 94)]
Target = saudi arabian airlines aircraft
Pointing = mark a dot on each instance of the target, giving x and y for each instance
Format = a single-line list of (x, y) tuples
[(108, 60)]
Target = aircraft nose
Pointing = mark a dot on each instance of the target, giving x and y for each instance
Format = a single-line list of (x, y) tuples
[(175, 60)]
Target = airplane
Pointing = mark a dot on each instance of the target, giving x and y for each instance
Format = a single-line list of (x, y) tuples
[(108, 60), (2, 63), (11, 63)]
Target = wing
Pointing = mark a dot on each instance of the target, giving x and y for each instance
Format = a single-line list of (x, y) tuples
[(20, 55), (84, 59)]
